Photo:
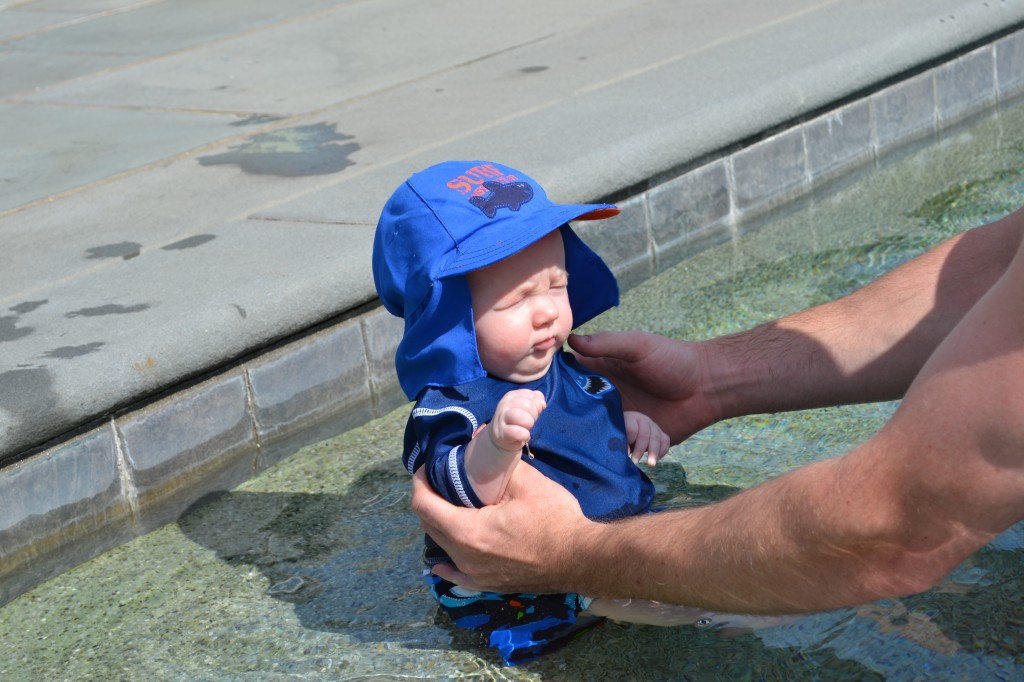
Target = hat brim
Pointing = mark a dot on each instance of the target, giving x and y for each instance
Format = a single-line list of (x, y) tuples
[(600, 214), (492, 243)]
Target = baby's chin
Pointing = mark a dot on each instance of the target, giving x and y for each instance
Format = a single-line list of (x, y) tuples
[(531, 369)]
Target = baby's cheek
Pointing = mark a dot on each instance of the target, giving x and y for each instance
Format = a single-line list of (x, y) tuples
[(497, 358)]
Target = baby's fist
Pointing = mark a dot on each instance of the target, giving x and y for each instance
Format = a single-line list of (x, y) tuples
[(514, 417)]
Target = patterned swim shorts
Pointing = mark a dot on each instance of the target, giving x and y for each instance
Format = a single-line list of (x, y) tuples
[(520, 626)]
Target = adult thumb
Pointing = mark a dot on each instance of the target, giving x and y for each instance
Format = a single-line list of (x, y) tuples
[(603, 345)]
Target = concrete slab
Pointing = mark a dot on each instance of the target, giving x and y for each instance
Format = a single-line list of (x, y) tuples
[(154, 28), (84, 7), (108, 34), (20, 22), (23, 73), (357, 49), (115, 340), (150, 210), (639, 107), (69, 148)]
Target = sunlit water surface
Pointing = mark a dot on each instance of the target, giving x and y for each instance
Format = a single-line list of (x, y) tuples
[(311, 571)]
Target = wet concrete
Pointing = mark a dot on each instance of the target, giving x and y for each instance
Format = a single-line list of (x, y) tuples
[(290, 152)]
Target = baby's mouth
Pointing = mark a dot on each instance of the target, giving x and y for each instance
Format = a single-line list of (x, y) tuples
[(546, 344)]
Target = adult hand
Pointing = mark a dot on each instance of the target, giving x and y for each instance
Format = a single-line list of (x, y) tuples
[(521, 544), (657, 376)]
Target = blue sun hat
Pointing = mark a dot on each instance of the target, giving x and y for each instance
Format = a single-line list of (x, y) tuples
[(460, 216)]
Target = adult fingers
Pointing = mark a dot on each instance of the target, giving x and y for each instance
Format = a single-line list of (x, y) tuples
[(617, 345), (453, 575), (433, 510)]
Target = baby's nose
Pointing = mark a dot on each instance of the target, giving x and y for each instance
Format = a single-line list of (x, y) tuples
[(546, 310)]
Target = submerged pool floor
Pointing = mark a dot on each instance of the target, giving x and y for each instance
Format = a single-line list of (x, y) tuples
[(311, 571)]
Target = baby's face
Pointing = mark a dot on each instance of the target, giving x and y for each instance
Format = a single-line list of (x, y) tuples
[(521, 310)]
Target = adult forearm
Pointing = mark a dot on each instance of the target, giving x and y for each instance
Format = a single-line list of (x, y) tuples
[(891, 517), (735, 556), (868, 345), (807, 541)]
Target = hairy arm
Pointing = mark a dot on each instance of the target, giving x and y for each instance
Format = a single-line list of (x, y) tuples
[(871, 344), (864, 347)]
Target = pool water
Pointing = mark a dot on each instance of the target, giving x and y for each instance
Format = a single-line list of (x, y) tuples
[(311, 571)]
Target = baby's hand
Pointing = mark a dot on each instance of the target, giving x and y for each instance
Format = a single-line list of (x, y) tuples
[(645, 436), (514, 417)]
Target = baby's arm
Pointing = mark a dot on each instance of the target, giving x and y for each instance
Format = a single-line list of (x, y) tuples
[(645, 436), (497, 446)]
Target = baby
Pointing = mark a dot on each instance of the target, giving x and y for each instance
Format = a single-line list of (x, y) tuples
[(490, 279)]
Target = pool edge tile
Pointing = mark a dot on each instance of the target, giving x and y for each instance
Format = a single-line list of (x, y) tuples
[(1009, 61), (623, 242), (324, 377), (965, 86), (182, 448), (769, 173), (839, 142), (690, 213), (904, 113), (67, 507), (382, 332)]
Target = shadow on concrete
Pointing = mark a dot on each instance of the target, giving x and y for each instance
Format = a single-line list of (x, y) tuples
[(347, 562)]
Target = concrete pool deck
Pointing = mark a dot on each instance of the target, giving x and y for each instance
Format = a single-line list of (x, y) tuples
[(188, 194)]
